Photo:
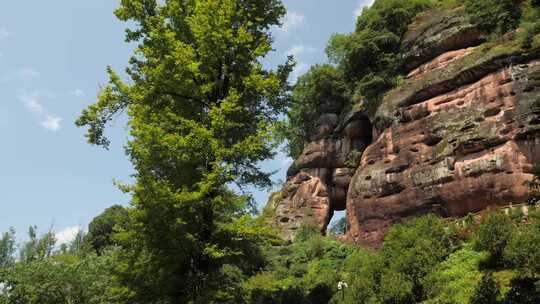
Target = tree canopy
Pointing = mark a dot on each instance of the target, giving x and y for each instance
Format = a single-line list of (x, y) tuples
[(200, 110)]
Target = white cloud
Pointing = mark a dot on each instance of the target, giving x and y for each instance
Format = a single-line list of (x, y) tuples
[(34, 104), (67, 235), (296, 50), (363, 4), (78, 93), (4, 33), (52, 123), (28, 73), (291, 21)]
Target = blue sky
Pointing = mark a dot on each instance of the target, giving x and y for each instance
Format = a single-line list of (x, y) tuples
[(53, 56)]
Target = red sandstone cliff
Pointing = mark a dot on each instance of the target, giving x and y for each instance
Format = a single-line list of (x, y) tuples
[(460, 134)]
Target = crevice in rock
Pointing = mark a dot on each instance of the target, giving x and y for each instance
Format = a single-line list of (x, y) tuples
[(359, 132)]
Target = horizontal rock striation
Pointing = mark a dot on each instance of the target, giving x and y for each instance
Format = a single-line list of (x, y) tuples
[(455, 153), (437, 32), (460, 134)]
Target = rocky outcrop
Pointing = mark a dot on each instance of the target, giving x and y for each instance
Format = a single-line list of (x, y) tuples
[(455, 153), (319, 178), (437, 32), (460, 134)]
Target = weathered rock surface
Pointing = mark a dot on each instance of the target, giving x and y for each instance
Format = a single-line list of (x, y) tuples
[(459, 135), (437, 32), (318, 180), (452, 154)]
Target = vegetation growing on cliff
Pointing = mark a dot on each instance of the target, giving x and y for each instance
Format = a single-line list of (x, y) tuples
[(494, 16), (321, 89), (370, 60), (366, 63), (369, 56), (424, 260)]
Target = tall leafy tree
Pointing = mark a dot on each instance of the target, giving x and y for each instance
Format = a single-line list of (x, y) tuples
[(200, 109), (102, 228), (37, 248), (7, 248)]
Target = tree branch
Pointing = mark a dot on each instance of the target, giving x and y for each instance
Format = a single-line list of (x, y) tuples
[(174, 94)]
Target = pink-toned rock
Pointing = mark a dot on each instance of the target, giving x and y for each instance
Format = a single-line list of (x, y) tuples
[(461, 134), (439, 62), (319, 178), (304, 200), (467, 151)]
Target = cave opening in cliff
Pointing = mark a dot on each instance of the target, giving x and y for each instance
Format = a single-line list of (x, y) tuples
[(360, 133)]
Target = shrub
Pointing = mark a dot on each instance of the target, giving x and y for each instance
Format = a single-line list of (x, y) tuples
[(415, 248), (493, 236), (494, 16), (362, 271), (523, 291), (455, 279), (523, 250), (487, 291)]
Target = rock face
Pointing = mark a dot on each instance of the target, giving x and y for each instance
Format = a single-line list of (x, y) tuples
[(318, 180), (452, 154), (459, 135)]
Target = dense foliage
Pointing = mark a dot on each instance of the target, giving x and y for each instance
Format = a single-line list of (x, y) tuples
[(321, 89), (103, 227), (369, 56), (498, 16), (366, 62), (200, 110), (422, 260), (47, 273)]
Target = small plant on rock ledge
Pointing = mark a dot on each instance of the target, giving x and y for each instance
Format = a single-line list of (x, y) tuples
[(353, 159)]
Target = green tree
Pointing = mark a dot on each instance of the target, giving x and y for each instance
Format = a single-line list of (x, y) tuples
[(321, 90), (455, 279), (60, 279), (362, 271), (7, 248), (369, 56), (102, 228), (37, 248), (487, 291), (414, 248), (201, 109), (493, 235), (498, 16), (523, 251)]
